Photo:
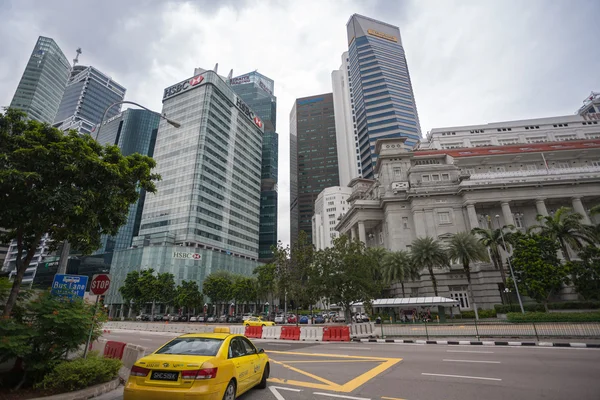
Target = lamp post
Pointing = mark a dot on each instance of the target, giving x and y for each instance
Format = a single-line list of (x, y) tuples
[(66, 248), (512, 274), (163, 116)]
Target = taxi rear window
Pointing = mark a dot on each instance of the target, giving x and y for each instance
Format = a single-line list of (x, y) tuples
[(192, 347)]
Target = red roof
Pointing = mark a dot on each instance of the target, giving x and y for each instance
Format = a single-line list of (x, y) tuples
[(514, 148)]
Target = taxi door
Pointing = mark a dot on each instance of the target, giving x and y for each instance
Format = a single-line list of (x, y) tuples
[(241, 363), (254, 360)]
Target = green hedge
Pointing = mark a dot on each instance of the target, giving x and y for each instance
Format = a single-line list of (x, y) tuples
[(567, 305), (482, 313), (80, 373), (554, 317)]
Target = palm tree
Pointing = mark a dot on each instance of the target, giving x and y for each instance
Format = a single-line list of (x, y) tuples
[(566, 228), (398, 267), (429, 253), (492, 239), (465, 248), (378, 255)]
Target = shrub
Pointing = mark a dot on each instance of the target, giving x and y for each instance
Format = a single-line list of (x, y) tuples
[(482, 313), (80, 373), (554, 317)]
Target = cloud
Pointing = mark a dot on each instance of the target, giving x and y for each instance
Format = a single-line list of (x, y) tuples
[(470, 61)]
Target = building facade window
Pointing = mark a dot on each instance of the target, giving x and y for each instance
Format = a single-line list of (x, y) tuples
[(405, 222), (443, 217)]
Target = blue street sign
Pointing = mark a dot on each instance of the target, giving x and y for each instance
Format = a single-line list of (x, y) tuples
[(69, 286)]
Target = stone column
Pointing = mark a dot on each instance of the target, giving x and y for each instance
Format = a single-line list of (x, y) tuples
[(472, 215), (507, 214), (353, 232), (419, 221), (578, 208), (541, 207), (362, 233)]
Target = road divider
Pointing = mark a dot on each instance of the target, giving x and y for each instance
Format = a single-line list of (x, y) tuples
[(271, 332), (253, 332), (290, 333), (311, 333), (336, 334)]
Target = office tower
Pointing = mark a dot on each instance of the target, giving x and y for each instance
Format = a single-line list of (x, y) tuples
[(88, 94), (134, 131), (381, 94), (330, 206), (313, 158), (205, 214), (43, 83), (345, 128), (256, 90)]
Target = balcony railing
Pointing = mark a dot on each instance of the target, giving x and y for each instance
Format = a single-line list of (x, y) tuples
[(536, 173)]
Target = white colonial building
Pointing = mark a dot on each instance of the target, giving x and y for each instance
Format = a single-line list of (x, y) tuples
[(330, 205), (455, 182)]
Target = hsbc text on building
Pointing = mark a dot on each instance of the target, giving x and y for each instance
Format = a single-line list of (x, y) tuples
[(186, 256)]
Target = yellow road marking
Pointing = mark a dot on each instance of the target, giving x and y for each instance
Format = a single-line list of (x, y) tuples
[(348, 387), (328, 361)]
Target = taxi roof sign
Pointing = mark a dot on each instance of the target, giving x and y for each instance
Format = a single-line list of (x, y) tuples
[(222, 329)]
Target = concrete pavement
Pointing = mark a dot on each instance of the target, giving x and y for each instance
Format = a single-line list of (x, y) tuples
[(326, 371)]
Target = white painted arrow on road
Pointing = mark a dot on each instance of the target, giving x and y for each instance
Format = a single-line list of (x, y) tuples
[(278, 396)]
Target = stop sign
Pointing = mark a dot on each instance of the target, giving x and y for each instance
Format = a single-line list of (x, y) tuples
[(100, 284)]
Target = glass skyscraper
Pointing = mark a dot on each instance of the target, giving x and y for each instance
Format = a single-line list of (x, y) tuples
[(382, 98), (43, 83), (256, 90), (87, 95), (134, 131), (313, 158)]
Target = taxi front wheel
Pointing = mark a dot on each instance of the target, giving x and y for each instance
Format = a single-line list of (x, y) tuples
[(230, 391)]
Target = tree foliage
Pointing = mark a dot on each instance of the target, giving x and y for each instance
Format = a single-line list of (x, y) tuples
[(398, 267), (585, 273), (66, 185), (188, 295), (538, 271), (494, 240), (266, 280), (243, 289), (428, 253), (218, 287)]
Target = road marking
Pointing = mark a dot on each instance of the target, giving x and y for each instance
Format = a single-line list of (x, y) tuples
[(275, 391), (279, 344), (341, 397), (463, 376), (384, 364), (326, 361), (355, 348), (391, 398), (470, 351), (145, 339), (473, 361)]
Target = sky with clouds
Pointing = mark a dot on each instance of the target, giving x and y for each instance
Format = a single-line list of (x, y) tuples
[(471, 61)]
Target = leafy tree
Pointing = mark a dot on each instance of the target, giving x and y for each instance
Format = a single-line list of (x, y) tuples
[(428, 253), (132, 292), (492, 239), (66, 185), (378, 254), (398, 267), (465, 248), (188, 295), (345, 273), (565, 227), (165, 288), (266, 284), (586, 273), (243, 290), (218, 287), (538, 271)]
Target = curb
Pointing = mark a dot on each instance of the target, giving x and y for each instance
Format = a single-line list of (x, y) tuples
[(482, 343), (86, 393)]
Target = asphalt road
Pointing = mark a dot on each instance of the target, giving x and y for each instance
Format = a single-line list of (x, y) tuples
[(361, 371)]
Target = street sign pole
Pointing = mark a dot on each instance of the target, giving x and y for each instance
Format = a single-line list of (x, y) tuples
[(87, 344)]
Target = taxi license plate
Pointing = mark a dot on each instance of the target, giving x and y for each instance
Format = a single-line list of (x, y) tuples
[(164, 376)]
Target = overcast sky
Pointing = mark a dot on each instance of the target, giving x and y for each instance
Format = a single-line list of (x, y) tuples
[(470, 61)]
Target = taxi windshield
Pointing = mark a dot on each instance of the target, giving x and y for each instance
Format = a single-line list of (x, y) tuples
[(192, 347)]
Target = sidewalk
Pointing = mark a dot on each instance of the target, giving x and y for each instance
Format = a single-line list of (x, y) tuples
[(579, 343)]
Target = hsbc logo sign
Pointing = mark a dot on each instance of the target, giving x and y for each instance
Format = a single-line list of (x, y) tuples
[(182, 86), (248, 112), (186, 256)]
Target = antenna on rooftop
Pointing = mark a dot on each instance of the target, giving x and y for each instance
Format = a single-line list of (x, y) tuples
[(76, 59)]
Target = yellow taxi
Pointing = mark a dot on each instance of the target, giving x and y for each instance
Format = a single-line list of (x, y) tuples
[(258, 321), (203, 366)]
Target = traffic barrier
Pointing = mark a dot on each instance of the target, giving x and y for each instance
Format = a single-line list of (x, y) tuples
[(362, 330), (290, 333), (254, 332), (314, 333), (336, 334), (131, 354), (271, 332), (237, 329), (114, 349)]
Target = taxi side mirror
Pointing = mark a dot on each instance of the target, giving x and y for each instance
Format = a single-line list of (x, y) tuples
[(261, 351)]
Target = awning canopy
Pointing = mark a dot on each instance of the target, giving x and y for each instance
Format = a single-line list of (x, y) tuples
[(414, 302)]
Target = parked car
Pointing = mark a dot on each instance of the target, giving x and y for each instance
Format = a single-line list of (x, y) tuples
[(279, 319), (183, 318), (194, 319), (292, 319), (200, 318), (223, 318), (246, 316), (141, 317), (303, 320), (340, 318), (211, 319), (319, 319)]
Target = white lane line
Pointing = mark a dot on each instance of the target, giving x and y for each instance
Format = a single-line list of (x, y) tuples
[(355, 348), (275, 390), (463, 376), (339, 396), (470, 351), (473, 361), (279, 344), (145, 339)]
